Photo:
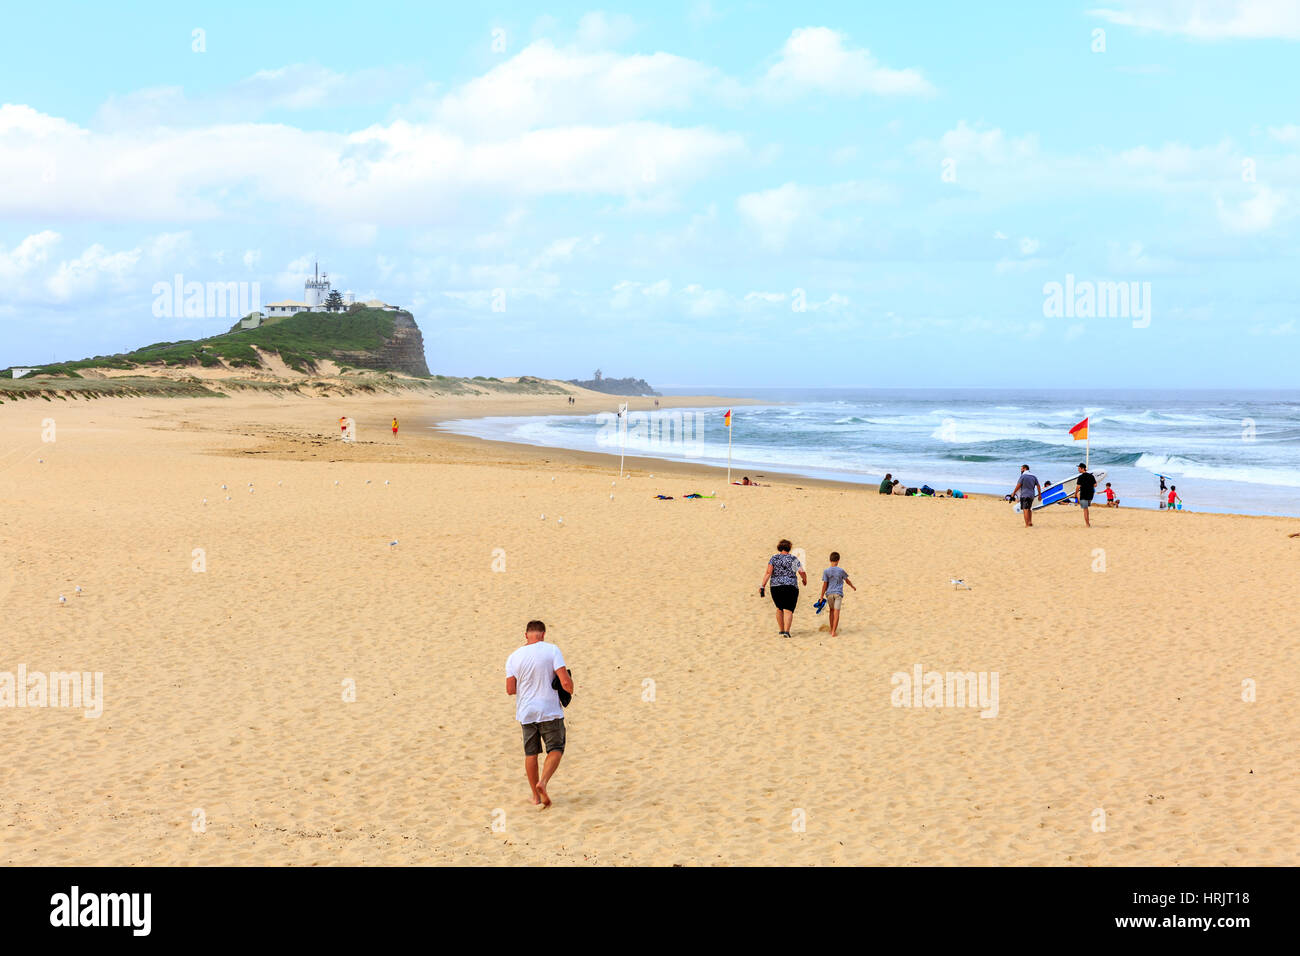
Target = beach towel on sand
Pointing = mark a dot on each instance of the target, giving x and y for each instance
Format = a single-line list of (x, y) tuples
[(697, 495)]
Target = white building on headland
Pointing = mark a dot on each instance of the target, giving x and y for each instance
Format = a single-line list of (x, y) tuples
[(316, 293)]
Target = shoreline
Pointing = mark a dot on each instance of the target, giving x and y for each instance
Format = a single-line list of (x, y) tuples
[(647, 462)]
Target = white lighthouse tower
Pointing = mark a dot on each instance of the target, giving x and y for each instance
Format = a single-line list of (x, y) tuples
[(317, 290)]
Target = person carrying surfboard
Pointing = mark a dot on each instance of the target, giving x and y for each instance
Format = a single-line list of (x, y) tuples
[(1085, 486), (1026, 490)]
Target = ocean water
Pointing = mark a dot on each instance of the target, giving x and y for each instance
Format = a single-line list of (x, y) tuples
[(1227, 451)]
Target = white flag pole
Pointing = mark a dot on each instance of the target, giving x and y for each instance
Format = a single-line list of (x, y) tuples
[(622, 444), (730, 427)]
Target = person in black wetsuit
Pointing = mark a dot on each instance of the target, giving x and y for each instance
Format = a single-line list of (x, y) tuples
[(1084, 488)]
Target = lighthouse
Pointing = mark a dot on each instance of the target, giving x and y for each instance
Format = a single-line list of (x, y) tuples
[(317, 290)]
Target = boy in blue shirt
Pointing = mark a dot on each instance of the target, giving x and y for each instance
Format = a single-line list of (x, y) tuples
[(833, 580)]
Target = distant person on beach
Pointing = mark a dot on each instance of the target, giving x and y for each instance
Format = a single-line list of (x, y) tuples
[(1026, 489), (1085, 486), (1162, 483), (343, 424), (1111, 500), (783, 572), (899, 489), (531, 672), (394, 427), (1173, 497), (833, 580), (887, 486), (953, 493)]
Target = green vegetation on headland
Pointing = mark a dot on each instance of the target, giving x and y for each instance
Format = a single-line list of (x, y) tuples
[(301, 341), (372, 350)]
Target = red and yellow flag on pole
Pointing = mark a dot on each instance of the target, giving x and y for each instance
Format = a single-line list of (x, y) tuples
[(726, 419), (1080, 431)]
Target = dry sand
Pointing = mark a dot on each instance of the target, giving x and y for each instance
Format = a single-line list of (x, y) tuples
[(1119, 690)]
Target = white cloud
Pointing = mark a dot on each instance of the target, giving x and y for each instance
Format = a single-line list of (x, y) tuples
[(402, 172), (295, 87), (778, 213), (704, 302), (1290, 133), (25, 257), (966, 143), (94, 268), (817, 60), (602, 30), (1255, 214), (1210, 19), (546, 86), (31, 273)]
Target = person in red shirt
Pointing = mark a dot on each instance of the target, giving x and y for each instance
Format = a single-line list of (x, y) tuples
[(1111, 500), (1173, 496)]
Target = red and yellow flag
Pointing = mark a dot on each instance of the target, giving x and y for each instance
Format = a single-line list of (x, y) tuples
[(726, 419), (1080, 431)]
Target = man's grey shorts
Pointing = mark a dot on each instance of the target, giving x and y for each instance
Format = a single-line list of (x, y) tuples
[(549, 731), (1085, 502)]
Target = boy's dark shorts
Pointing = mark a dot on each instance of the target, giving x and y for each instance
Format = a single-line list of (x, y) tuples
[(549, 731)]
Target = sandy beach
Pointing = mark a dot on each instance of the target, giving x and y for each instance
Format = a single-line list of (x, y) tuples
[(696, 735)]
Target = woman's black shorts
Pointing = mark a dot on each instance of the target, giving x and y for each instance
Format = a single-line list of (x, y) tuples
[(785, 596)]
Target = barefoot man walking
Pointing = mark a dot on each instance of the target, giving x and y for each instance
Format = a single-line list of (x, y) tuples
[(530, 672)]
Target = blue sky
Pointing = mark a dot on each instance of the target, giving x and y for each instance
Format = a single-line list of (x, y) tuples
[(696, 193)]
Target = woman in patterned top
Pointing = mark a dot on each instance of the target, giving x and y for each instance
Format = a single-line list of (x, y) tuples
[(783, 572)]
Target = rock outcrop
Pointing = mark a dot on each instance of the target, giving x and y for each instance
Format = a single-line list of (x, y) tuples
[(402, 352)]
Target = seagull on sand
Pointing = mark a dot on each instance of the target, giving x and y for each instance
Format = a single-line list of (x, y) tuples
[(62, 599), (959, 583), (392, 544)]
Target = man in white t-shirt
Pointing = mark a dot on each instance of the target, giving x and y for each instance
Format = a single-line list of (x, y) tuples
[(530, 672)]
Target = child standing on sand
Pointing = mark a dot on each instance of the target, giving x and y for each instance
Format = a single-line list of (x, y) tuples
[(394, 427), (833, 580), (1173, 497)]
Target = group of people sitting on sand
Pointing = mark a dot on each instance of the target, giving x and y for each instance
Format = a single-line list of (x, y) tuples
[(892, 486)]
